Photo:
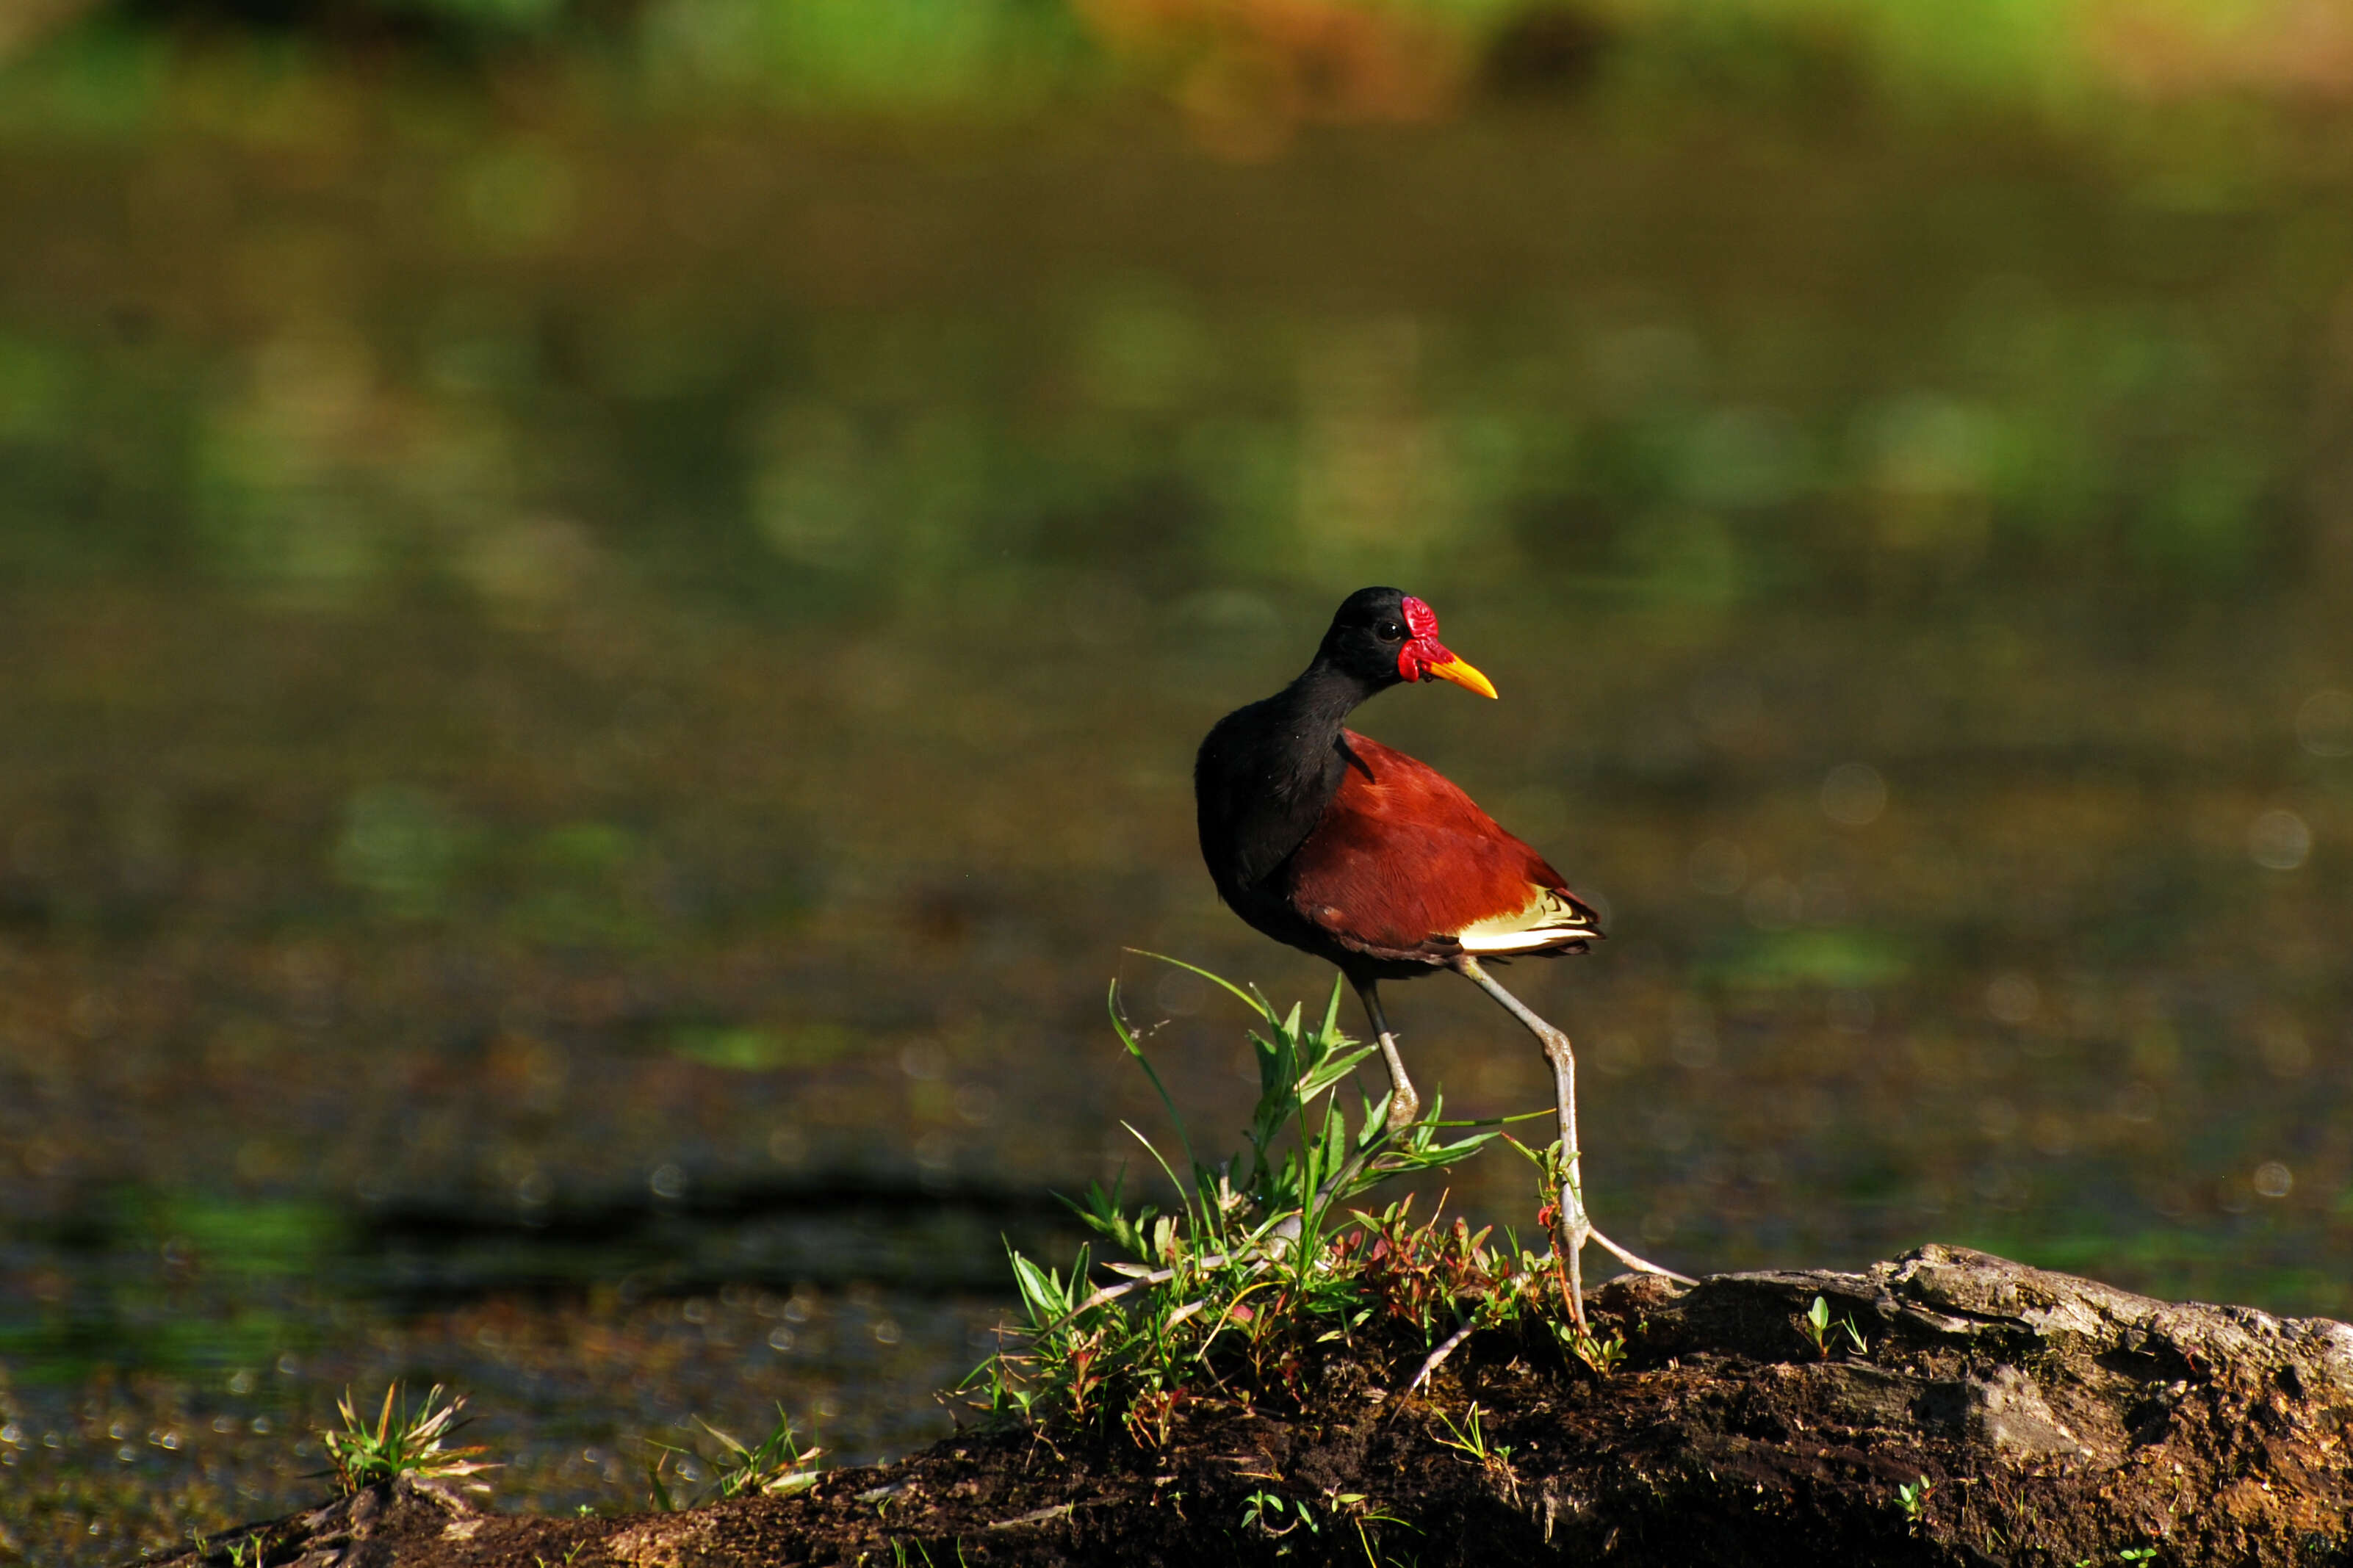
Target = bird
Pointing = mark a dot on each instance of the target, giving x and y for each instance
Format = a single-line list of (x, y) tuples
[(1334, 844)]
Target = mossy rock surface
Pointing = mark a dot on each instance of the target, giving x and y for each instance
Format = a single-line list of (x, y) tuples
[(2055, 1421)]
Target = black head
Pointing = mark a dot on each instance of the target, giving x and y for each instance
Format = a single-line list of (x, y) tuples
[(1385, 636)]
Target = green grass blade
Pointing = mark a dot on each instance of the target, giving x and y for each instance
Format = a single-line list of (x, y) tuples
[(1135, 1048), (1251, 998)]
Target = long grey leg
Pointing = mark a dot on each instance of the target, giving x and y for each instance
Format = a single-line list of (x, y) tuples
[(1575, 1229), (1572, 1226), (1405, 1104)]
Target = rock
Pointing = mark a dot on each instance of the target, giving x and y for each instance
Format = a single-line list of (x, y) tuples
[(1993, 1413)]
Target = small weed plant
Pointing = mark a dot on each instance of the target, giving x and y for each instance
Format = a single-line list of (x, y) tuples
[(776, 1465), (1264, 1511), (1264, 1258), (1825, 1337), (1470, 1435), (414, 1443)]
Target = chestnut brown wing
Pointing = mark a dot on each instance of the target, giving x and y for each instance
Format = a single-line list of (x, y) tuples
[(1402, 864)]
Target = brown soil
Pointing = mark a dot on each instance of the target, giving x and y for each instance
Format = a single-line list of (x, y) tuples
[(2056, 1422)]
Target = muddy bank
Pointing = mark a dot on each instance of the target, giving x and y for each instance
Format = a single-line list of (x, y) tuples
[(1979, 1411)]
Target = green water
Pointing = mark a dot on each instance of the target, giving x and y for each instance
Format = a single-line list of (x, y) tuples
[(589, 717)]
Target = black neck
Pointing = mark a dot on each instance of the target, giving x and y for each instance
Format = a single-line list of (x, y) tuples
[(1268, 771), (1313, 709)]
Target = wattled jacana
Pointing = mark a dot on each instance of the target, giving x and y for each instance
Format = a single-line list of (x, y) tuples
[(1348, 849)]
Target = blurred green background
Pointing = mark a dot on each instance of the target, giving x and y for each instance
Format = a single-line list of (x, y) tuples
[(604, 606)]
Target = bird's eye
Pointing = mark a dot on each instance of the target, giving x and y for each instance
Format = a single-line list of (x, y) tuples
[(1390, 631)]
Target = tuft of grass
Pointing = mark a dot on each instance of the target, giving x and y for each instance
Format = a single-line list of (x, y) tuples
[(778, 1464), (1470, 1435), (412, 1443), (1263, 1258), (1603, 1355)]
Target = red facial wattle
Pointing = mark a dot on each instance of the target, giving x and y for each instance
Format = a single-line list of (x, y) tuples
[(1421, 644), (1424, 657)]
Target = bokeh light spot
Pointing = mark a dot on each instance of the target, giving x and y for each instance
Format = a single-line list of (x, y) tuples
[(2014, 998), (2324, 723), (1996, 1118), (2052, 1135), (1693, 1043), (1854, 794), (2286, 1053), (2279, 840)]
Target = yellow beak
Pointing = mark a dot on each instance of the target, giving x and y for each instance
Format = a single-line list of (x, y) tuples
[(1462, 675)]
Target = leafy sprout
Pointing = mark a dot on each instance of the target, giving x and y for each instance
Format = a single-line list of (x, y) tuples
[(1470, 1435), (412, 1443), (778, 1464), (1816, 1325)]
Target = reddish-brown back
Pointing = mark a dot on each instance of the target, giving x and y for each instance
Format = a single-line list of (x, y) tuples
[(1402, 855)]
